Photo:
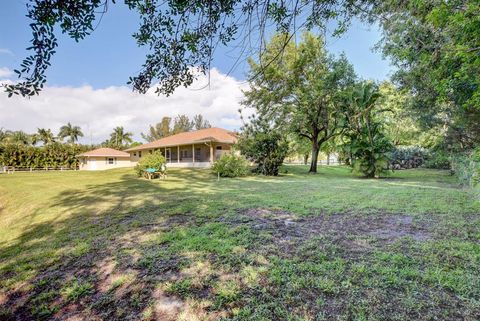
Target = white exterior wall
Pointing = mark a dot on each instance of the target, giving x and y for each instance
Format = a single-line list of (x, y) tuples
[(97, 163)]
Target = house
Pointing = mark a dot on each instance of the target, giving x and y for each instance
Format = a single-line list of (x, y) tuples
[(198, 148), (104, 158)]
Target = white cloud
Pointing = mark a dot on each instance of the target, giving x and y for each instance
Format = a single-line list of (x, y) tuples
[(97, 111), (5, 72), (6, 51)]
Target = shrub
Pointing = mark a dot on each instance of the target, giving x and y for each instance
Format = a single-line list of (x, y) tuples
[(265, 147), (231, 165), (438, 160), (369, 148), (153, 160), (407, 157), (52, 155), (466, 168)]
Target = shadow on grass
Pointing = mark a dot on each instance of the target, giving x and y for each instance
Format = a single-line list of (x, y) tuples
[(105, 260)]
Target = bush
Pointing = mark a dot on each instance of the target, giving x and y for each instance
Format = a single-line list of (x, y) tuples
[(407, 157), (153, 160), (231, 165), (467, 168), (52, 155), (438, 160), (265, 147)]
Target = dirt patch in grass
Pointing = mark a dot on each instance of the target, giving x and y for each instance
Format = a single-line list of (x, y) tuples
[(353, 232)]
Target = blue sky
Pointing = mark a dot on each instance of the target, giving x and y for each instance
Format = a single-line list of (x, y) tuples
[(87, 81), (110, 55)]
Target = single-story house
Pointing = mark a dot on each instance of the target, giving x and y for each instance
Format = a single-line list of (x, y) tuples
[(104, 158), (198, 148)]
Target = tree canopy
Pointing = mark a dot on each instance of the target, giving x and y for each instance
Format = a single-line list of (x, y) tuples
[(302, 90)]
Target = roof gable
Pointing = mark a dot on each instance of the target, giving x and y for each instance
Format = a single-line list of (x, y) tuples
[(105, 152)]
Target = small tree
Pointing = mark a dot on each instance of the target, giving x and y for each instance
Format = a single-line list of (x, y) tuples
[(154, 160), (367, 143), (264, 146)]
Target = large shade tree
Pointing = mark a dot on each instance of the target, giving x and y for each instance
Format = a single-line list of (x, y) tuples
[(302, 90), (178, 34)]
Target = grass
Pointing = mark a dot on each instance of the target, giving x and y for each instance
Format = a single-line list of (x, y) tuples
[(331, 246)]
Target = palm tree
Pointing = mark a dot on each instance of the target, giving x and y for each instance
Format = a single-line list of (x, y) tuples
[(119, 136), (44, 135), (73, 132), (18, 137)]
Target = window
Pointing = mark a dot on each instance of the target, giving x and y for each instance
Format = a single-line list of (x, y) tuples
[(134, 154), (219, 147), (140, 154), (184, 153), (111, 160)]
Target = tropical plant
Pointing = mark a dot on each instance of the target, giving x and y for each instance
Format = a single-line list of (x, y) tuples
[(119, 137), (45, 136), (199, 122), (70, 131), (367, 142), (154, 160), (265, 146), (181, 124), (231, 165), (160, 130)]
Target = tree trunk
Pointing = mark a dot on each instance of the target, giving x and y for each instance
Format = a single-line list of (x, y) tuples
[(328, 158), (305, 159), (313, 163)]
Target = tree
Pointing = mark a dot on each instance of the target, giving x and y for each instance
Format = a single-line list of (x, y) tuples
[(160, 130), (199, 122), (119, 137), (264, 145), (182, 124), (179, 34), (435, 47), (18, 137), (367, 144), (302, 90), (45, 136), (70, 131)]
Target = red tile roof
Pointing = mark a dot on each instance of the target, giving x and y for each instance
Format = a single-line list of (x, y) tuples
[(213, 134), (105, 152)]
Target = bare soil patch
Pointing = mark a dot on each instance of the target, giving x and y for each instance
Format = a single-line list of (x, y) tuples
[(353, 232)]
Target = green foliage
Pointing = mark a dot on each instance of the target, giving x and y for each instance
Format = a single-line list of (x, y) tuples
[(405, 157), (70, 131), (181, 124), (177, 34), (368, 145), (264, 146), (435, 45), (302, 90), (51, 155), (438, 159), (231, 165), (119, 137), (154, 160), (467, 168)]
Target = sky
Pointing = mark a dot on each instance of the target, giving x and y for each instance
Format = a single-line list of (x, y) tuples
[(87, 80)]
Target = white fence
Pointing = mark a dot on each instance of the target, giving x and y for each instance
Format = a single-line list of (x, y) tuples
[(13, 169)]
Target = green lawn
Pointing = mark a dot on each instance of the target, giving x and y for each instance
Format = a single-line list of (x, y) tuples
[(331, 246)]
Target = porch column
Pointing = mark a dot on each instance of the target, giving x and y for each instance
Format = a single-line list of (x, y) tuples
[(193, 153), (178, 154), (165, 151), (211, 153)]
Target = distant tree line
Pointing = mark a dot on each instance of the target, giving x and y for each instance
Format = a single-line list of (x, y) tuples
[(181, 123), (45, 149)]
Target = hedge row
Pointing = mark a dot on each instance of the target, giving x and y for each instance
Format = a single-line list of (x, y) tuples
[(52, 155)]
